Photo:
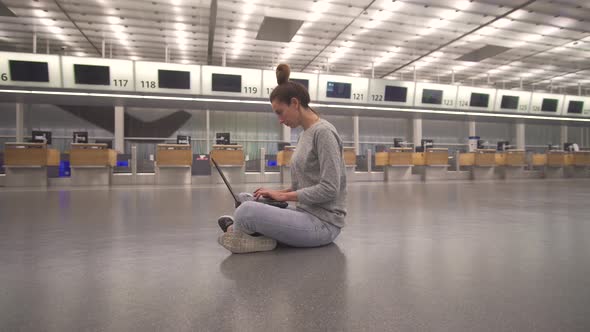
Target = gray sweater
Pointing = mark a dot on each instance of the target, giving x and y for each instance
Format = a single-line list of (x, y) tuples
[(318, 173)]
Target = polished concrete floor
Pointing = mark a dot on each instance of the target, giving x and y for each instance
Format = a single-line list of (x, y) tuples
[(460, 256)]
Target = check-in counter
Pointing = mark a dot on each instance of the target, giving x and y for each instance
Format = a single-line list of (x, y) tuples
[(381, 159), (484, 162), (435, 161), (539, 160), (230, 159), (467, 159), (399, 165), (349, 155), (173, 163), (556, 161), (582, 158), (513, 163), (284, 163), (91, 163), (578, 164), (26, 163)]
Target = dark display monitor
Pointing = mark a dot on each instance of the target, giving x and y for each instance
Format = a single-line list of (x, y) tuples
[(396, 93), (226, 83), (108, 142), (183, 139), (568, 147), (479, 99), (338, 90), (28, 71), (301, 81), (503, 145), (575, 107), (549, 105), (432, 96), (94, 75), (222, 138), (426, 144), (509, 102), (397, 142), (80, 137), (174, 79), (38, 136)]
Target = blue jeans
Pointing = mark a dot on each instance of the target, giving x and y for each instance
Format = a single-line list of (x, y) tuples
[(289, 226)]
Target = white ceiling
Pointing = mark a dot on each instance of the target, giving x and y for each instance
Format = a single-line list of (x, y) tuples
[(548, 40)]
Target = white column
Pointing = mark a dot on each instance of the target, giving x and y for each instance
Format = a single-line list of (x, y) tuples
[(472, 128), (520, 135), (34, 42), (20, 122), (417, 131), (563, 134), (286, 134), (356, 135), (119, 129), (208, 130)]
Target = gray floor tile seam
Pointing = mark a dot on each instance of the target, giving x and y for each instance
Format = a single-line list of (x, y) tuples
[(278, 185)]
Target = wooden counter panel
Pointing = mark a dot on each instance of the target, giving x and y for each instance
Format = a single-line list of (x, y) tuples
[(556, 159), (500, 159), (437, 158), (515, 159), (93, 157), (349, 157), (284, 157), (228, 157), (381, 158), (400, 158), (582, 158), (31, 157), (418, 159), (539, 159), (467, 159), (174, 157), (485, 159)]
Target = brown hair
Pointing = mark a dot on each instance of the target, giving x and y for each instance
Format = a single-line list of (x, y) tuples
[(289, 89)]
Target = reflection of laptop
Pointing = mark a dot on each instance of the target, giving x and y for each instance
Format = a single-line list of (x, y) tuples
[(264, 200)]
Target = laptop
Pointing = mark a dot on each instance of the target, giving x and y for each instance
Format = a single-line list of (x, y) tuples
[(262, 200)]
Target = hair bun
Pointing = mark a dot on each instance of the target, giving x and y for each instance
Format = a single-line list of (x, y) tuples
[(283, 72)]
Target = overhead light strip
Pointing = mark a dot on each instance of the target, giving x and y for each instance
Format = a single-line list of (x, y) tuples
[(260, 102)]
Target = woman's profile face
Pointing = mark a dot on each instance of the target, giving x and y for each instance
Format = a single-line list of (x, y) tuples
[(288, 115)]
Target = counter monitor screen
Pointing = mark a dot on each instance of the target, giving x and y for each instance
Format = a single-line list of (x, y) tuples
[(173, 79), (509, 102), (38, 136), (432, 96), (338, 90), (549, 105), (80, 137), (94, 75), (226, 83), (395, 93), (479, 99), (183, 139), (301, 81), (575, 107), (222, 138), (28, 71)]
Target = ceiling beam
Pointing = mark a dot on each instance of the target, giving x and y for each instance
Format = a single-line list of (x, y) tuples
[(212, 24), (338, 35), (77, 27), (461, 37)]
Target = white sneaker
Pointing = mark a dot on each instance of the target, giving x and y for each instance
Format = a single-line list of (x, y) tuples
[(241, 243)]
